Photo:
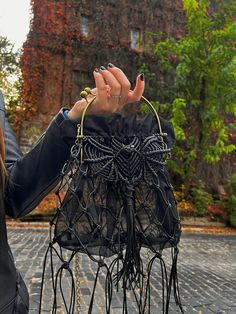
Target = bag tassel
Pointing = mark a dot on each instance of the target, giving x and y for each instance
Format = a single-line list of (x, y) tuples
[(131, 270)]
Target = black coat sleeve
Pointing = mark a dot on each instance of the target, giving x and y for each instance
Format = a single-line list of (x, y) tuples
[(34, 175)]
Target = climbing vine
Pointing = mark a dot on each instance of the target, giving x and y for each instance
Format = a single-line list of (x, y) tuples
[(48, 35), (55, 30)]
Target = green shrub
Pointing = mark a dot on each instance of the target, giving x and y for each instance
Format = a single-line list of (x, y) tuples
[(232, 219), (201, 199), (231, 203)]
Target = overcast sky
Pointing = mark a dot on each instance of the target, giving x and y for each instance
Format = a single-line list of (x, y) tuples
[(14, 20)]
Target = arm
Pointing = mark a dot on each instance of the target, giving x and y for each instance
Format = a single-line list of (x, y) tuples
[(34, 175)]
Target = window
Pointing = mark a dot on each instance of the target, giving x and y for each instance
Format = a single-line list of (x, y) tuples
[(135, 39), (85, 25)]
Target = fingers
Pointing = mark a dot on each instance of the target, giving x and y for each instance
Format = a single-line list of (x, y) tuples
[(137, 93), (127, 95), (123, 81), (114, 97), (102, 91), (100, 85), (113, 88), (111, 81)]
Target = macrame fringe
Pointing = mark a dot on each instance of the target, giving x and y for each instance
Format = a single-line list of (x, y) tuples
[(130, 276), (133, 167)]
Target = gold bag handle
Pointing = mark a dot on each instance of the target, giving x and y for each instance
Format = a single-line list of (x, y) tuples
[(80, 132)]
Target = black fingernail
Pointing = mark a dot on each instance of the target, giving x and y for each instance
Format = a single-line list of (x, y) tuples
[(142, 77), (102, 68), (96, 70), (111, 65)]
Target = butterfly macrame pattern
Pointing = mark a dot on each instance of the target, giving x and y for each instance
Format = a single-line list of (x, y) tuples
[(118, 200)]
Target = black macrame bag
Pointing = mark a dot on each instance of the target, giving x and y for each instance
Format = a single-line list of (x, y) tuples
[(119, 199)]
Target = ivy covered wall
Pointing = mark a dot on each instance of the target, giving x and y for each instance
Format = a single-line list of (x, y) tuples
[(69, 38)]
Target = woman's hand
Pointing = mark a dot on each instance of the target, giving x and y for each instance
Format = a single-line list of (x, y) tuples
[(112, 92)]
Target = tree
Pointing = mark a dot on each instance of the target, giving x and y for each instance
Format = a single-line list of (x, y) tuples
[(200, 73), (10, 76)]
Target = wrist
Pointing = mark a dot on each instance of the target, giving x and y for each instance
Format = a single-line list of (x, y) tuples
[(75, 112), (73, 115)]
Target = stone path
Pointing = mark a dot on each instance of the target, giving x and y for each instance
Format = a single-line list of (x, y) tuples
[(207, 275)]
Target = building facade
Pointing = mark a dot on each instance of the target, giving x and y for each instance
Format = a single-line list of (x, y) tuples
[(69, 38)]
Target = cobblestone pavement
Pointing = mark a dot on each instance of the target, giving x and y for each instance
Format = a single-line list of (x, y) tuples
[(207, 274)]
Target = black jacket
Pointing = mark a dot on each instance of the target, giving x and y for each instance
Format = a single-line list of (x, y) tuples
[(30, 178)]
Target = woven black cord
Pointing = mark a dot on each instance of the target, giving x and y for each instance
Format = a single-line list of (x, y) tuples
[(42, 280), (108, 289), (93, 293), (164, 282), (55, 291), (175, 281), (117, 201), (147, 289), (70, 309), (65, 265), (172, 281), (125, 308)]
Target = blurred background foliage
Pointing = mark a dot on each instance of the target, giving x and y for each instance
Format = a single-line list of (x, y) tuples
[(10, 77), (198, 96)]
